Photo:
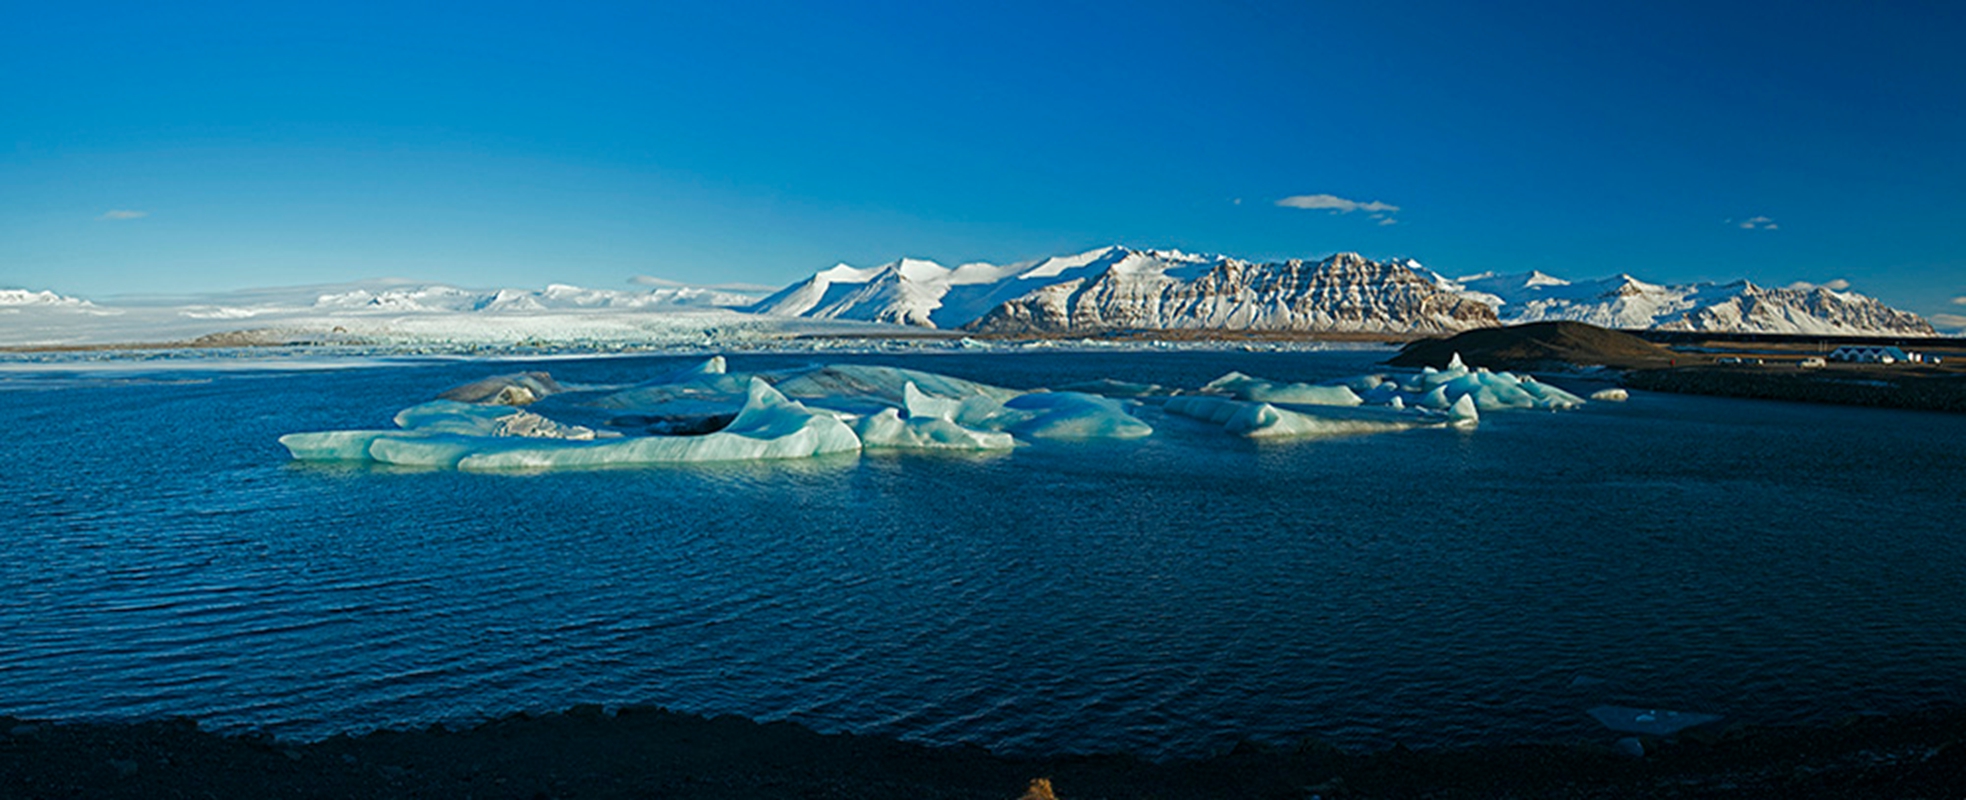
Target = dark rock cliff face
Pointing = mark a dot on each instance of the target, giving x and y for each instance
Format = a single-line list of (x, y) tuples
[(1342, 293), (1537, 346)]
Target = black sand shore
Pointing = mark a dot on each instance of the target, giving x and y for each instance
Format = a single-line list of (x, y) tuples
[(651, 753)]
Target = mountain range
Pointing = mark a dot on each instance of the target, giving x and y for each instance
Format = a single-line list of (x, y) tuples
[(1122, 288), (1111, 288)]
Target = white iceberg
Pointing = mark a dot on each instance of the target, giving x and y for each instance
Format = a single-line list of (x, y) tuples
[(770, 426), (931, 424), (1267, 421), (1244, 387), (446, 433), (1070, 415)]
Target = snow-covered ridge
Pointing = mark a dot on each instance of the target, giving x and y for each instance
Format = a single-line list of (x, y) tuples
[(449, 299), (396, 312), (1736, 307), (1118, 287), (14, 299)]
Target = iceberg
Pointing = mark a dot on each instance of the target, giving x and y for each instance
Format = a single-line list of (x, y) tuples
[(931, 424), (888, 431), (704, 388), (704, 412), (1070, 415), (517, 389), (1244, 387), (1267, 421), (446, 433), (1650, 721), (770, 426)]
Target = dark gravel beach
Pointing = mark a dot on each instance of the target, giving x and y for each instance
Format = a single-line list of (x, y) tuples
[(650, 753)]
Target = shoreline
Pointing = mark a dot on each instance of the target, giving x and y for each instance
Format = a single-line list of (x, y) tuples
[(651, 752)]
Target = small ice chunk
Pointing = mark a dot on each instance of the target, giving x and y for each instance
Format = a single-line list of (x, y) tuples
[(888, 431), (1463, 412), (333, 445), (1266, 421), (533, 426), (450, 416), (1614, 394), (926, 406), (1071, 415), (517, 389), (1436, 399), (1650, 722), (1244, 387)]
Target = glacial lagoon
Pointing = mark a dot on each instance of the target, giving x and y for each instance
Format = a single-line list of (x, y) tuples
[(1164, 594)]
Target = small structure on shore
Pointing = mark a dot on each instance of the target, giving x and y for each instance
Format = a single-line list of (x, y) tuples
[(1870, 354)]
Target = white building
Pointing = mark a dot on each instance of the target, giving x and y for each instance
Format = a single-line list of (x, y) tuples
[(1868, 354)]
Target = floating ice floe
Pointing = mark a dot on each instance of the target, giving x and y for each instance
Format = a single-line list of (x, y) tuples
[(1453, 397), (705, 412), (931, 424), (507, 390), (1243, 387), (1649, 721), (1266, 421)]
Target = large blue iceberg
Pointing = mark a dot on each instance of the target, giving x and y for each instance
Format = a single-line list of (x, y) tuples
[(707, 413)]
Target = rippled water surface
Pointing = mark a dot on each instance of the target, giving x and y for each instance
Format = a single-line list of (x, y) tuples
[(1768, 561)]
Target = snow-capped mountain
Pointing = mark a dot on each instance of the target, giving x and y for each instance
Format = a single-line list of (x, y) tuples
[(1117, 287), (1121, 288), (390, 311), (1739, 306), (1342, 293), (449, 299), (14, 300)]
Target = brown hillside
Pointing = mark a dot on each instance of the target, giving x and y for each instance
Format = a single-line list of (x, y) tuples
[(1537, 345)]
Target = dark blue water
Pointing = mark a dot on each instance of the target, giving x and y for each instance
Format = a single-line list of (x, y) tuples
[(1767, 561)]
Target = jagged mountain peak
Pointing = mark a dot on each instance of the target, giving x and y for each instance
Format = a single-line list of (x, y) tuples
[(1120, 287)]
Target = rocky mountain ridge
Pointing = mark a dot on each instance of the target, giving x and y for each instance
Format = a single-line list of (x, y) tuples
[(1118, 288)]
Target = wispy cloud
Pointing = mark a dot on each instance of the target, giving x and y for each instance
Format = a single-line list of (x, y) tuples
[(1959, 301), (1757, 224), (1952, 322), (116, 214), (1836, 285), (1338, 205), (1334, 203)]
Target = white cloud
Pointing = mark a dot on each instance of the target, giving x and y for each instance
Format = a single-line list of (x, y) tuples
[(1334, 203), (1836, 285), (1389, 221), (122, 214), (1758, 224), (1959, 301), (651, 280), (1951, 322)]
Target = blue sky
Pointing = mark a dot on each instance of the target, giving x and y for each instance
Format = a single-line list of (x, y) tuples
[(513, 145)]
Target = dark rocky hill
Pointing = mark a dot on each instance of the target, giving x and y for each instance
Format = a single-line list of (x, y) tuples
[(1538, 346)]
